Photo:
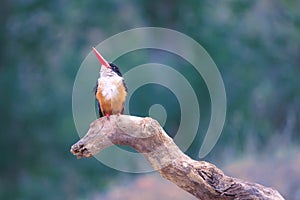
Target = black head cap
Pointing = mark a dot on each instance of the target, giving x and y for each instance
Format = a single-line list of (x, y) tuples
[(115, 69)]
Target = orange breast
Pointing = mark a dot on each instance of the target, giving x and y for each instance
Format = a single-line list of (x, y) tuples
[(111, 97)]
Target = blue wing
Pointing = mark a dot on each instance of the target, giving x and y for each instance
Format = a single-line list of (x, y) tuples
[(97, 102)]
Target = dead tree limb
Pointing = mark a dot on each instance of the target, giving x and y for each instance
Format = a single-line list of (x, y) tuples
[(201, 179)]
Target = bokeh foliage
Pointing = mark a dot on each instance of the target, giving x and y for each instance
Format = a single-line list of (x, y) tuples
[(255, 44)]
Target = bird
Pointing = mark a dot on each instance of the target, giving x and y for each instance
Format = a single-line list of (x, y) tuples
[(110, 89)]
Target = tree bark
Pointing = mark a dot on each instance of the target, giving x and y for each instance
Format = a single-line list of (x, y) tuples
[(201, 179)]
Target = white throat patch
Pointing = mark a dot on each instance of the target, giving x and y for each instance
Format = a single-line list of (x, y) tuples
[(109, 86)]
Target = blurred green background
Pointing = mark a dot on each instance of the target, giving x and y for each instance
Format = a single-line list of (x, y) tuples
[(255, 44)]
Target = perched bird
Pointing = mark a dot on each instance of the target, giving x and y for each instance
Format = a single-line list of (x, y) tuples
[(110, 90)]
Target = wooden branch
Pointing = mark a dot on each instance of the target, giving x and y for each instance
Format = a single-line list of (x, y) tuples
[(202, 179)]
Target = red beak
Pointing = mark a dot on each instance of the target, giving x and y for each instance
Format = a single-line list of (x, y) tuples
[(101, 59)]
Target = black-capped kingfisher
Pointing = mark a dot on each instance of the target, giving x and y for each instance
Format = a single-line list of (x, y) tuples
[(110, 90)]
